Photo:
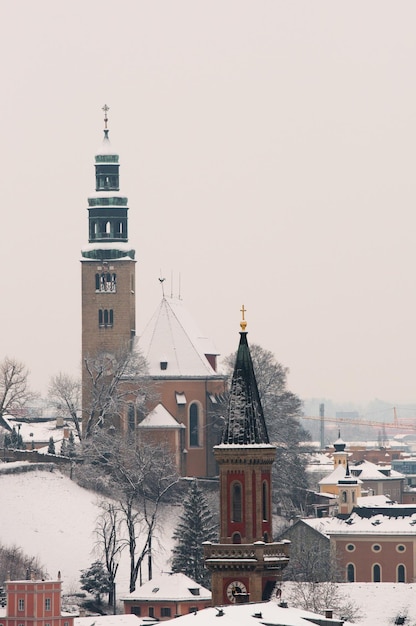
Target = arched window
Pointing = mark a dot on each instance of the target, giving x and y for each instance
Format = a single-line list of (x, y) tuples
[(351, 573), (236, 538), (376, 573), (265, 501), (401, 574), (105, 318), (131, 416), (344, 496), (236, 504), (193, 425)]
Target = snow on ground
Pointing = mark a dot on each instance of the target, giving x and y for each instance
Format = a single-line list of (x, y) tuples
[(381, 603), (50, 517)]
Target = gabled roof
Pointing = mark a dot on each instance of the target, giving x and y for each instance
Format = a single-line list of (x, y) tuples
[(170, 586), (245, 423), (335, 476), (363, 470), (160, 418), (370, 471), (172, 337)]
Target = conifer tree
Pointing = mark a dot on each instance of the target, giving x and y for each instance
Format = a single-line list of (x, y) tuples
[(71, 445), (64, 448), (196, 525), (51, 446)]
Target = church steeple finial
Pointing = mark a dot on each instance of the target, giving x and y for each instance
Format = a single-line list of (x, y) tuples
[(106, 109), (243, 323)]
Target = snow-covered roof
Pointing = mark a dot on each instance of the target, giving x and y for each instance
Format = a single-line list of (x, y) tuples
[(39, 431), (111, 620), (364, 470), (335, 476), (252, 614), (356, 525), (160, 418), (172, 337), (170, 586), (106, 148), (107, 245), (107, 194), (370, 471)]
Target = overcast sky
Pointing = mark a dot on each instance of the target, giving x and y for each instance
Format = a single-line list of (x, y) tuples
[(267, 149)]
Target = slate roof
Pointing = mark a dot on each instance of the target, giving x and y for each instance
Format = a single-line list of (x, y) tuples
[(171, 336), (245, 423)]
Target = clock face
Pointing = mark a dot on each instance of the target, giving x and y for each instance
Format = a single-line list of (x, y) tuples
[(234, 588)]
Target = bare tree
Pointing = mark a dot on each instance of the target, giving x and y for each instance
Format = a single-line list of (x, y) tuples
[(17, 565), (317, 597), (112, 382), (64, 393), (110, 544), (141, 475), (14, 389)]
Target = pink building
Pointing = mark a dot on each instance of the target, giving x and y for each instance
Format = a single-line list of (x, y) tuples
[(34, 603)]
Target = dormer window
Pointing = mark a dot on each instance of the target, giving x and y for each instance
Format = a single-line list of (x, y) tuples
[(194, 591), (163, 365)]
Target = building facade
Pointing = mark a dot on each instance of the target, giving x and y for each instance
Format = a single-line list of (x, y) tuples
[(166, 596), (34, 603), (246, 564)]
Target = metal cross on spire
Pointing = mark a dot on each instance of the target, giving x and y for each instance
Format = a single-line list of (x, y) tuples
[(105, 109), (243, 322)]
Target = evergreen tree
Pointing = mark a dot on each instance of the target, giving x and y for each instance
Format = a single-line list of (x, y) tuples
[(196, 525), (64, 448), (14, 440), (71, 445), (51, 446), (95, 580)]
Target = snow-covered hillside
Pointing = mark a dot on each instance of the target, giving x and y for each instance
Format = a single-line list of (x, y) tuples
[(51, 517)]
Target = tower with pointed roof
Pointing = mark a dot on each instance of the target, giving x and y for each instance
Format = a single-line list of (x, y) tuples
[(246, 564), (349, 491), (107, 266)]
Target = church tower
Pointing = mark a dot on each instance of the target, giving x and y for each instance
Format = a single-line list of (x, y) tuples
[(107, 266), (246, 563)]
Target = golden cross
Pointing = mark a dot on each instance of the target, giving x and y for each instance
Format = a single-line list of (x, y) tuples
[(243, 323), (105, 109)]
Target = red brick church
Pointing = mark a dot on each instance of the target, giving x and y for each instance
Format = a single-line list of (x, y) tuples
[(182, 361)]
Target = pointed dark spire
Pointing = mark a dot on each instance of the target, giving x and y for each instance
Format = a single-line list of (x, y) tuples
[(245, 424)]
